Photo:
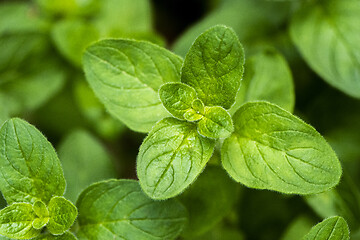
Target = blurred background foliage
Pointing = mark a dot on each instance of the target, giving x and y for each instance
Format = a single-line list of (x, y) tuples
[(41, 80)]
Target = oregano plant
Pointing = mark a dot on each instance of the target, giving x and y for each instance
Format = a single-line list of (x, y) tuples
[(184, 105), (33, 184)]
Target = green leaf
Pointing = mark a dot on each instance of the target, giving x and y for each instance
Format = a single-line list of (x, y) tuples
[(251, 20), (39, 223), (69, 7), (62, 215), (118, 209), (267, 77), (171, 157), (18, 48), (20, 17), (208, 200), (216, 123), (327, 35), (196, 112), (344, 201), (124, 17), (126, 76), (214, 66), (65, 236), (177, 98), (333, 228), (95, 113), (42, 214), (272, 149), (298, 227), (28, 87), (71, 37), (16, 221), (30, 169), (84, 161)]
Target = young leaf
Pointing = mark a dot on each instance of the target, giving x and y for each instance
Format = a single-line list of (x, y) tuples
[(30, 169), (62, 215), (216, 123), (211, 197), (327, 35), (126, 76), (177, 98), (272, 149), (267, 77), (42, 214), (71, 37), (171, 157), (16, 221), (65, 236), (214, 66), (39, 223), (333, 228), (84, 161), (118, 209)]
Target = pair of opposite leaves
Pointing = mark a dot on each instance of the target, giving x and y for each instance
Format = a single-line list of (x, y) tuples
[(32, 183), (266, 147)]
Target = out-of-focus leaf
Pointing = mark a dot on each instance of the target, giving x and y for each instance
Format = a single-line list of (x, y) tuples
[(84, 162), (267, 77), (69, 7), (220, 232), (299, 227), (343, 201), (31, 87), (20, 17), (118, 17), (250, 19), (93, 110), (71, 37), (208, 200), (327, 34), (18, 48)]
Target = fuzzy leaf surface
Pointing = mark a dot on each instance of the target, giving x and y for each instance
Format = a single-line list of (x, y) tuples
[(30, 169), (118, 209), (126, 75), (62, 215), (214, 66), (42, 214), (272, 149), (333, 228), (216, 123), (327, 34), (177, 98), (16, 221), (171, 157)]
